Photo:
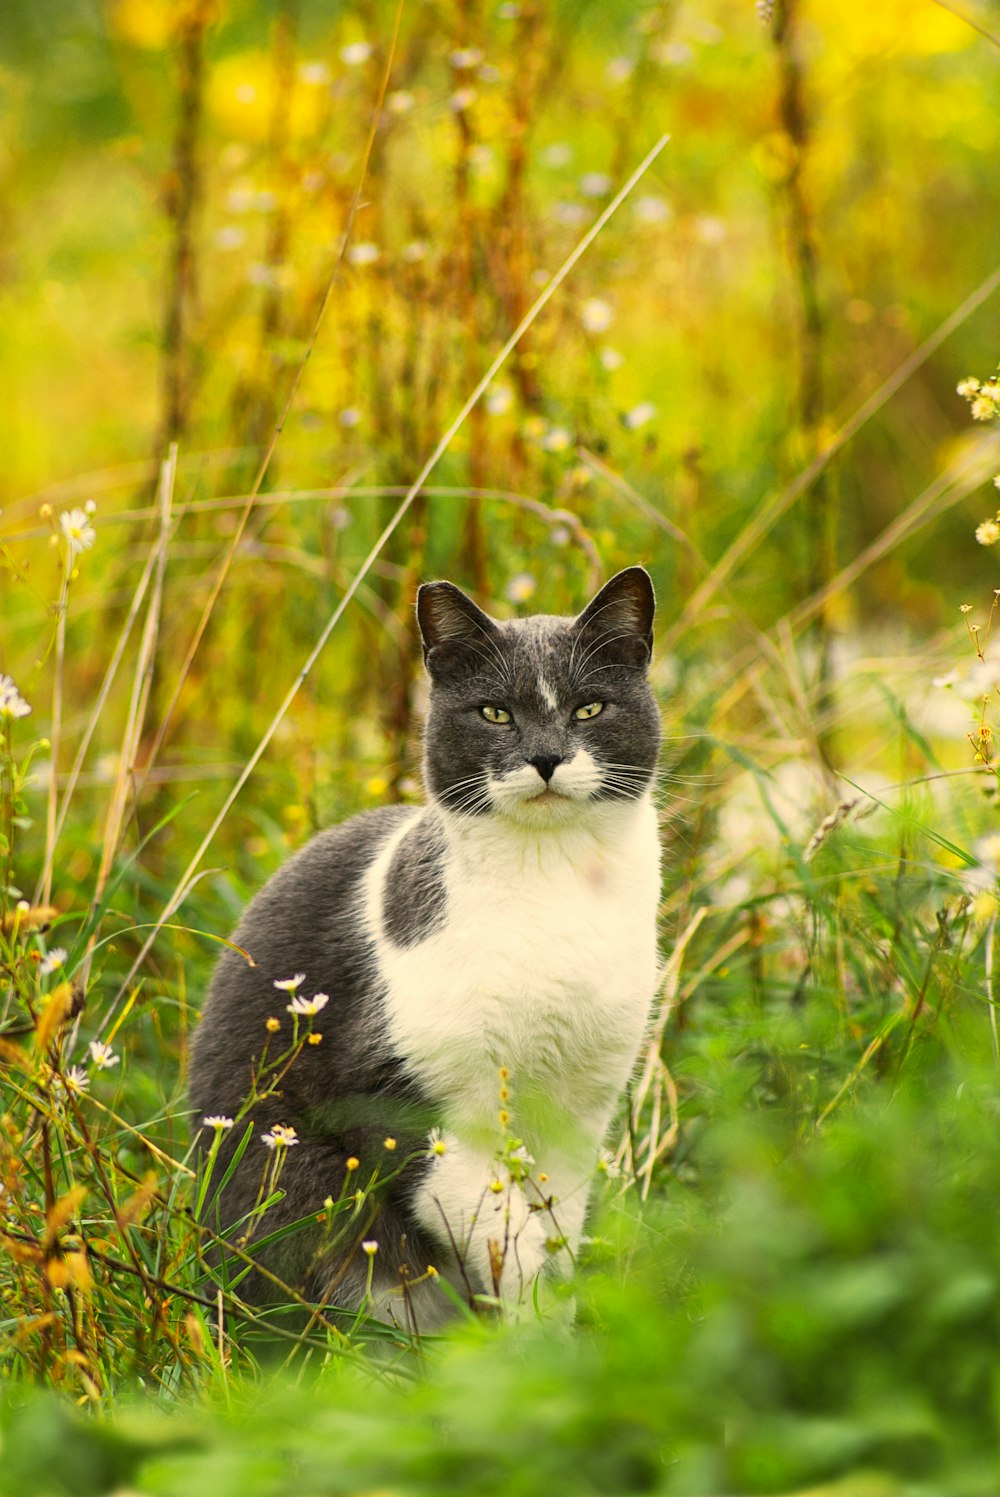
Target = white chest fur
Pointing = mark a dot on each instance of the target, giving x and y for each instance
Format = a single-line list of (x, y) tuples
[(545, 965)]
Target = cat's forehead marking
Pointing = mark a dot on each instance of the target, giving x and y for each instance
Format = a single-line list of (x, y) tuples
[(538, 648), (546, 693)]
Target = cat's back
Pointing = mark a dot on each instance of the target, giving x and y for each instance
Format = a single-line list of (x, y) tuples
[(303, 923)]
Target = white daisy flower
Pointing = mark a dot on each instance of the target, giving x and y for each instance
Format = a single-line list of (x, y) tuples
[(280, 1137), (370, 1247), (102, 1055), (597, 315), (436, 1142), (363, 254), (289, 984), (356, 54), (639, 415), (78, 531), (77, 1079), (51, 960), (12, 703), (309, 1005), (217, 1121), (499, 400)]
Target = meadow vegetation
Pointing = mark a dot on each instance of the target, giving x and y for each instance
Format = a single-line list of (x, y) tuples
[(735, 269)]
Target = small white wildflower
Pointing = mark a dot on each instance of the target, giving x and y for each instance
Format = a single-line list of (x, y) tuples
[(520, 1155), (652, 210), (259, 274), (466, 57), (967, 388), (557, 155), (102, 1055), (499, 400), (51, 960), (611, 359), (77, 530), (597, 315), (639, 415), (230, 237), (987, 851), (988, 533), (309, 1005), (557, 440), (12, 703), (77, 1079), (595, 184), (462, 99), (280, 1137), (983, 408), (370, 1247), (349, 417), (436, 1142), (90, 508), (315, 74), (400, 102), (217, 1121), (709, 229), (363, 254), (414, 252), (289, 984), (521, 587), (570, 215), (356, 54)]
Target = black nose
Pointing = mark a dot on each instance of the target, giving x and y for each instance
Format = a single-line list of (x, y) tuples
[(546, 764)]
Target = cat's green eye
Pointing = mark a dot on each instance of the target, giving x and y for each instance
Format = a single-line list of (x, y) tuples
[(590, 709), (495, 714)]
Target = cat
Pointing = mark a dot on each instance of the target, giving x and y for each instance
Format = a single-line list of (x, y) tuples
[(484, 967)]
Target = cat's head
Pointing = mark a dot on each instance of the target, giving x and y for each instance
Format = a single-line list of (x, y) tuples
[(536, 719)]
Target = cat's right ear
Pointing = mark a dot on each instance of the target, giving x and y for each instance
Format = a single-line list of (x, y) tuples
[(453, 629)]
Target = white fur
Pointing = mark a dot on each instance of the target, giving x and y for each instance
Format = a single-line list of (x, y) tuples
[(546, 966), (547, 695)]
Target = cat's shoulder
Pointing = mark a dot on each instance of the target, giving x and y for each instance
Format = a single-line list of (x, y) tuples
[(335, 858)]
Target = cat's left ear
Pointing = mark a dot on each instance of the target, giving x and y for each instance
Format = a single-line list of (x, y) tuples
[(620, 618), (452, 627)]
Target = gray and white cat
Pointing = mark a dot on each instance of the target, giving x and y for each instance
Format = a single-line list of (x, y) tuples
[(488, 963)]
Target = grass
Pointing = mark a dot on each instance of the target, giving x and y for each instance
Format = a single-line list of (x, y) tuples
[(420, 319)]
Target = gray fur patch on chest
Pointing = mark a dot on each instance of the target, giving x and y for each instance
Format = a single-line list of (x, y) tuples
[(415, 899)]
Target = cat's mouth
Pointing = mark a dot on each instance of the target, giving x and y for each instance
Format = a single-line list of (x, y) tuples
[(547, 795)]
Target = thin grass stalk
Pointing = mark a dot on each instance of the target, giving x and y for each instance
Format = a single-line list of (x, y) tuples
[(43, 891), (184, 189), (105, 690), (820, 518), (142, 681), (653, 1066), (245, 514), (184, 884)]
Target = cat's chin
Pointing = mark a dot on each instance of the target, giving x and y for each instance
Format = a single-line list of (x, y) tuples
[(548, 808)]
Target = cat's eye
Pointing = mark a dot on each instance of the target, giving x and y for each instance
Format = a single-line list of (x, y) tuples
[(495, 714), (590, 709)]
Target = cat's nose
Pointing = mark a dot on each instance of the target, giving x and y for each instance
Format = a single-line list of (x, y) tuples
[(546, 765)]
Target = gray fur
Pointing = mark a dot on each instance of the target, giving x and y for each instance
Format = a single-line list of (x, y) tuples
[(346, 1094), (416, 876)]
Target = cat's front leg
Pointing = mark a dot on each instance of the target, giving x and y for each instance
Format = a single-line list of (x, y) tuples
[(501, 1223)]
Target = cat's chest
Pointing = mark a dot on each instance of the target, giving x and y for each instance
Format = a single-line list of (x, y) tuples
[(544, 964)]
